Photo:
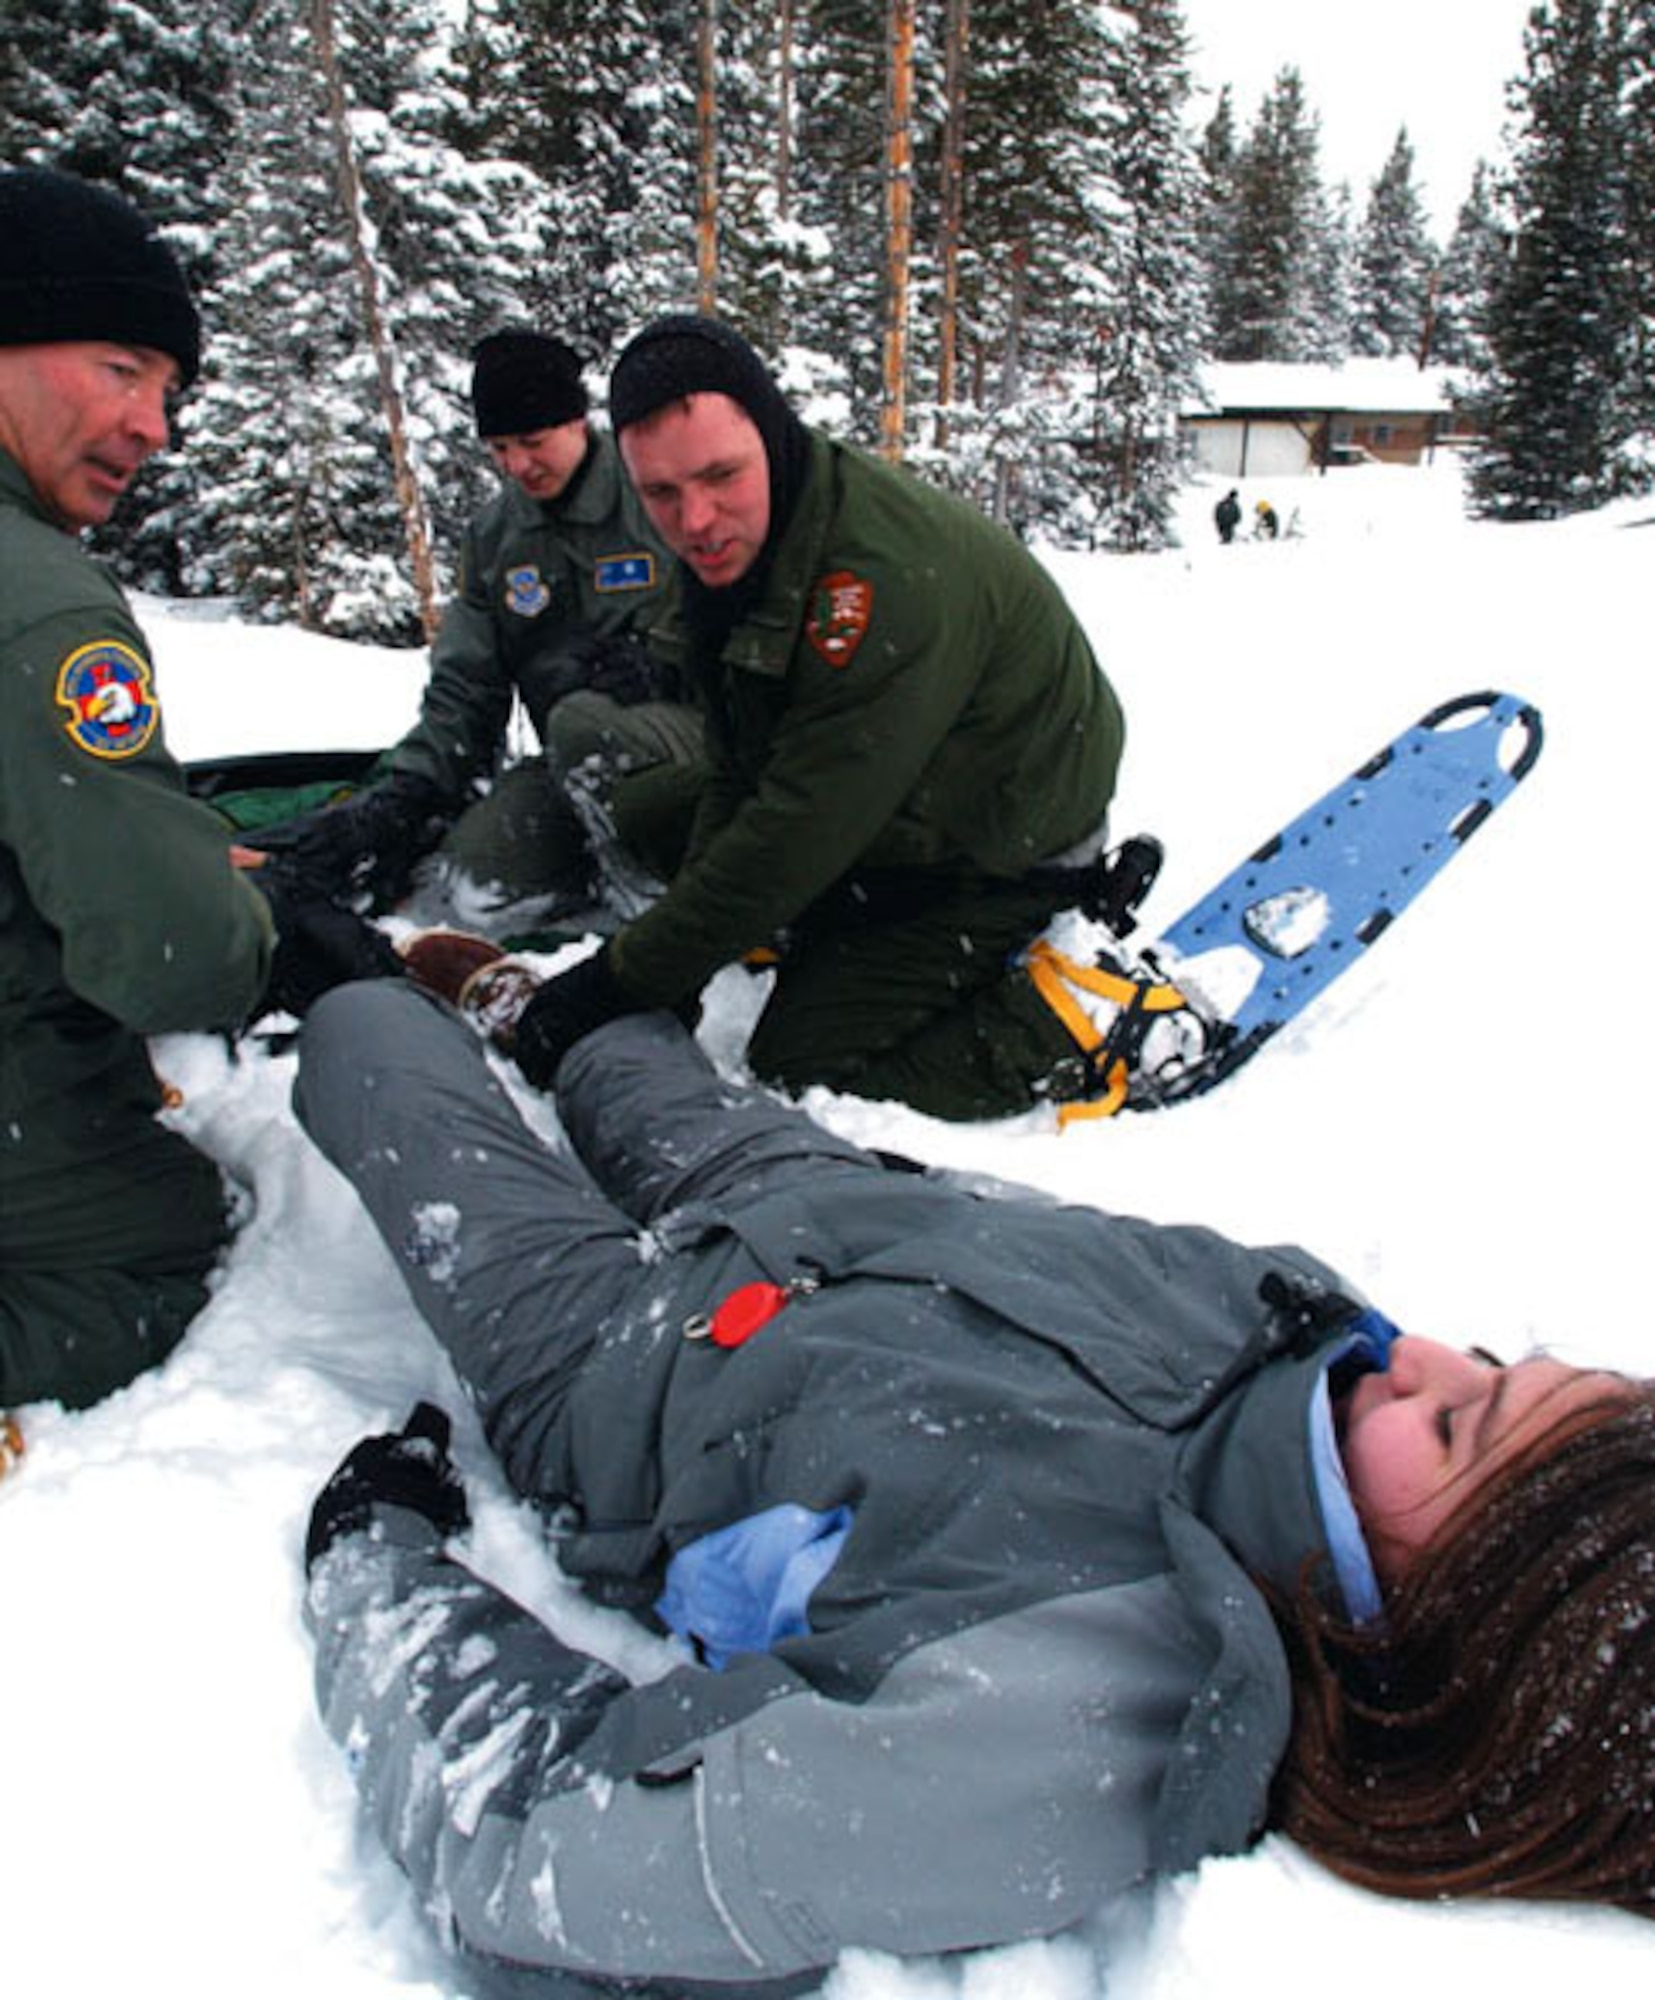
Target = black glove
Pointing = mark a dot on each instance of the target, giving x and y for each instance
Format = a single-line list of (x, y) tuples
[(319, 944), (366, 845), (408, 1468), (621, 666), (564, 1009)]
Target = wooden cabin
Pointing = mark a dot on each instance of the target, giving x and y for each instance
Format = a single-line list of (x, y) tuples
[(1272, 420)]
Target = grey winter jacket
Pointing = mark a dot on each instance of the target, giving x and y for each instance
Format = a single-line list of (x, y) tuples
[(1038, 1669)]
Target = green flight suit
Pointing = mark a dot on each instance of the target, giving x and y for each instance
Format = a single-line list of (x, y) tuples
[(539, 581), (120, 917), (908, 737)]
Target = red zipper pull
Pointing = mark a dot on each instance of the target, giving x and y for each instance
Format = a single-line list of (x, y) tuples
[(748, 1307)]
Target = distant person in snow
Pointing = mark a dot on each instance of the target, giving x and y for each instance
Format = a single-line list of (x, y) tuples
[(558, 576), (1266, 526), (1017, 1554), (911, 751), (1227, 516), (120, 914)]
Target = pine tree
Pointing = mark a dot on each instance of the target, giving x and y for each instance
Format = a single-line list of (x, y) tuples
[(1557, 399), (301, 517), (1329, 306), (1033, 266), (132, 97), (1271, 296), (1148, 350), (840, 185), (1638, 115), (1218, 163), (296, 514), (1395, 263), (1471, 268), (462, 242), (599, 105), (768, 263)]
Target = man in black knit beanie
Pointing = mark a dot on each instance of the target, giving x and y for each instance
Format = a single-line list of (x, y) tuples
[(120, 914)]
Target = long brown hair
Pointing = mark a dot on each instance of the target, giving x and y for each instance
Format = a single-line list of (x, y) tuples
[(1494, 1733)]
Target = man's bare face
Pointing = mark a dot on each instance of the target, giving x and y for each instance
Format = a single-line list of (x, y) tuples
[(701, 471), (81, 417)]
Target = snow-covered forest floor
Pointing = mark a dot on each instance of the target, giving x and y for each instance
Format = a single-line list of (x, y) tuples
[(1458, 1126)]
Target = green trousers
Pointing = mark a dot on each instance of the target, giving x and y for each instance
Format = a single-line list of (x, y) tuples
[(527, 842), (910, 987), (103, 1260)]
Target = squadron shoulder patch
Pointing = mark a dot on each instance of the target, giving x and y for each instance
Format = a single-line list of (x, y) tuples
[(633, 571), (841, 610), (109, 692), (527, 591)]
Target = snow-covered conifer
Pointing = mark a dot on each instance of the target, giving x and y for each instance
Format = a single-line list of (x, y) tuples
[(1270, 295), (1395, 262), (1558, 398)]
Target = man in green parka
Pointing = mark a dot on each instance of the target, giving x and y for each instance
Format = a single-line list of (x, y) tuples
[(120, 914), (558, 575), (911, 754)]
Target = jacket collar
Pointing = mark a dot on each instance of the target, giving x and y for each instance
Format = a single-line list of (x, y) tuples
[(16, 491), (1250, 1470), (597, 493), (594, 498)]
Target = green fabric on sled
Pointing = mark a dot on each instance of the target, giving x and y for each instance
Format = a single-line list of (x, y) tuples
[(259, 791)]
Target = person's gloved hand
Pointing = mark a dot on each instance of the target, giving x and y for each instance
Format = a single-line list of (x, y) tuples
[(621, 666), (408, 1468), (368, 844), (319, 944), (562, 1011)]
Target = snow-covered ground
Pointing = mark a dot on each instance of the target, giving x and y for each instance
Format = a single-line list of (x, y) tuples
[(1458, 1125)]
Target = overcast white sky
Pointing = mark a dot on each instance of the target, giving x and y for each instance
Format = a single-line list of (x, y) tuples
[(1437, 66)]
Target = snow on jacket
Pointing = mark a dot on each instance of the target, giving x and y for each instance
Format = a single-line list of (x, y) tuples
[(1036, 1669), (911, 690)]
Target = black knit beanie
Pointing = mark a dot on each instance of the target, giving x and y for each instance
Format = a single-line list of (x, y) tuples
[(525, 381), (80, 263), (685, 354)]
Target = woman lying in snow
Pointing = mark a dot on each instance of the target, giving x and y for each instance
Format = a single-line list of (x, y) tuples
[(1018, 1552)]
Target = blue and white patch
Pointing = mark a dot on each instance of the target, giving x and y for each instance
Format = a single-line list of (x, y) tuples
[(527, 591), (109, 690), (634, 571)]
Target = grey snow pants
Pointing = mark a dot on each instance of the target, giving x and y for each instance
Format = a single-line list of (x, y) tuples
[(518, 1251)]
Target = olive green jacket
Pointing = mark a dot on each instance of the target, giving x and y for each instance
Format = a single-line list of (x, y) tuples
[(120, 914), (911, 692), (539, 582)]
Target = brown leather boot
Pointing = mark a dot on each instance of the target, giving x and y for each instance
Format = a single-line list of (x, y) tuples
[(476, 976), (442, 961)]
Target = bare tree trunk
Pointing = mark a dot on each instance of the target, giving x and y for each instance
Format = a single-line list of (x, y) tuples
[(301, 562), (415, 527), (899, 199), (784, 113), (706, 126), (1011, 375), (1428, 321), (956, 41)]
